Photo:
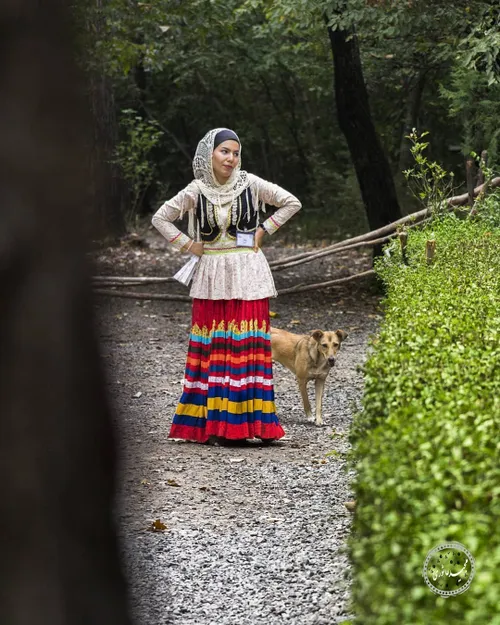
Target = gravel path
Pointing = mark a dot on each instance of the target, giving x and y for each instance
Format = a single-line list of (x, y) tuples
[(254, 534)]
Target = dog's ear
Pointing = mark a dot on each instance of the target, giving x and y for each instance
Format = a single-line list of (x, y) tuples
[(317, 334), (342, 334)]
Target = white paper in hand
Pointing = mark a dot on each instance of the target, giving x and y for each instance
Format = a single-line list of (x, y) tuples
[(186, 272)]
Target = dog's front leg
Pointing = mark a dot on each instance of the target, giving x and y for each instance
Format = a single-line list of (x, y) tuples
[(319, 386), (305, 399)]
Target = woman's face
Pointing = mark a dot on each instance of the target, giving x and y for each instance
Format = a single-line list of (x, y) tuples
[(225, 158)]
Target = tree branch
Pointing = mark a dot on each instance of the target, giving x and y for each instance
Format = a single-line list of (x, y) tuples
[(324, 285), (132, 295), (458, 200)]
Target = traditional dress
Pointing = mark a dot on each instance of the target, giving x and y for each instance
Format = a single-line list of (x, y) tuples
[(228, 384)]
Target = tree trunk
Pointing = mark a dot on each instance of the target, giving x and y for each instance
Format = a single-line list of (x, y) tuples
[(59, 563), (108, 192), (415, 87), (370, 162), (145, 206), (303, 175)]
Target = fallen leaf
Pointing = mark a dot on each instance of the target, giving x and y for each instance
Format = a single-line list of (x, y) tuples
[(157, 526), (236, 459), (173, 483), (273, 315), (295, 321), (137, 395), (145, 483)]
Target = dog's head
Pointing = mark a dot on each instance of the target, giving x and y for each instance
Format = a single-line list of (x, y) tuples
[(329, 343)]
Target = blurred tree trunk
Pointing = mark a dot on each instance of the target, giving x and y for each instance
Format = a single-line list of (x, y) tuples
[(59, 562), (355, 120)]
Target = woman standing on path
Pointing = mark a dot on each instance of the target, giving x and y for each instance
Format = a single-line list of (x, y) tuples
[(228, 384)]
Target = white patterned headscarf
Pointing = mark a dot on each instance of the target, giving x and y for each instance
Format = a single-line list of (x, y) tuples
[(205, 179)]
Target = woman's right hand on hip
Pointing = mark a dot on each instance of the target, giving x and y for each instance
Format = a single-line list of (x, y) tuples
[(197, 248)]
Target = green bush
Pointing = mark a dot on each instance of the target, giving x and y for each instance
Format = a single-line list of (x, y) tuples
[(426, 445)]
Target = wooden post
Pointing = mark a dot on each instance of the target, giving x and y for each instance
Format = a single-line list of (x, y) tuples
[(469, 175), (482, 166), (430, 249), (403, 240)]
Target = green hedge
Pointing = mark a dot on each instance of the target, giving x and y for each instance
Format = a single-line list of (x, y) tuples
[(426, 446)]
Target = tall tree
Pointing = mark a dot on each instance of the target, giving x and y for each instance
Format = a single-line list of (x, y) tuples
[(370, 161)]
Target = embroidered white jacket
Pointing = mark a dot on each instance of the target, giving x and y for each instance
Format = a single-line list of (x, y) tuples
[(226, 271)]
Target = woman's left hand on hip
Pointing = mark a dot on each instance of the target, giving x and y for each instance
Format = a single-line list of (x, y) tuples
[(259, 235)]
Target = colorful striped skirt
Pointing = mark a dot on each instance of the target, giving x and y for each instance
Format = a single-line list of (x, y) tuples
[(228, 384)]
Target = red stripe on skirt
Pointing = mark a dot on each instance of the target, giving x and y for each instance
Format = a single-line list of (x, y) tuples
[(262, 424)]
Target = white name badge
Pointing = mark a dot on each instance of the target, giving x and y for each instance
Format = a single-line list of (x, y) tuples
[(245, 239)]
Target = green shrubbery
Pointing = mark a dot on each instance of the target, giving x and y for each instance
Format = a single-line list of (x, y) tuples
[(427, 444)]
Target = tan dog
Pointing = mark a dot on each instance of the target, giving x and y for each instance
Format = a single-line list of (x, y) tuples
[(310, 357)]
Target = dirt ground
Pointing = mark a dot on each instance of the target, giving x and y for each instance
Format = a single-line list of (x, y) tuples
[(144, 345)]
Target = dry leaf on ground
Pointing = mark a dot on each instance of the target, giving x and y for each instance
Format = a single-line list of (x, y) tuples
[(157, 526)]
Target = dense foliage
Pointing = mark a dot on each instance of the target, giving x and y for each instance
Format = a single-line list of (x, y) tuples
[(426, 443), (265, 68)]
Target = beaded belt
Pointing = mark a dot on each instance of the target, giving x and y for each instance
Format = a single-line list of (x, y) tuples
[(225, 250)]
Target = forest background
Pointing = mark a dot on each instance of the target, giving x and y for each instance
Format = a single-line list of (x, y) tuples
[(162, 73)]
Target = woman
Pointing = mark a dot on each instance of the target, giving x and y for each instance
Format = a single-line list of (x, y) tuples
[(228, 387)]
